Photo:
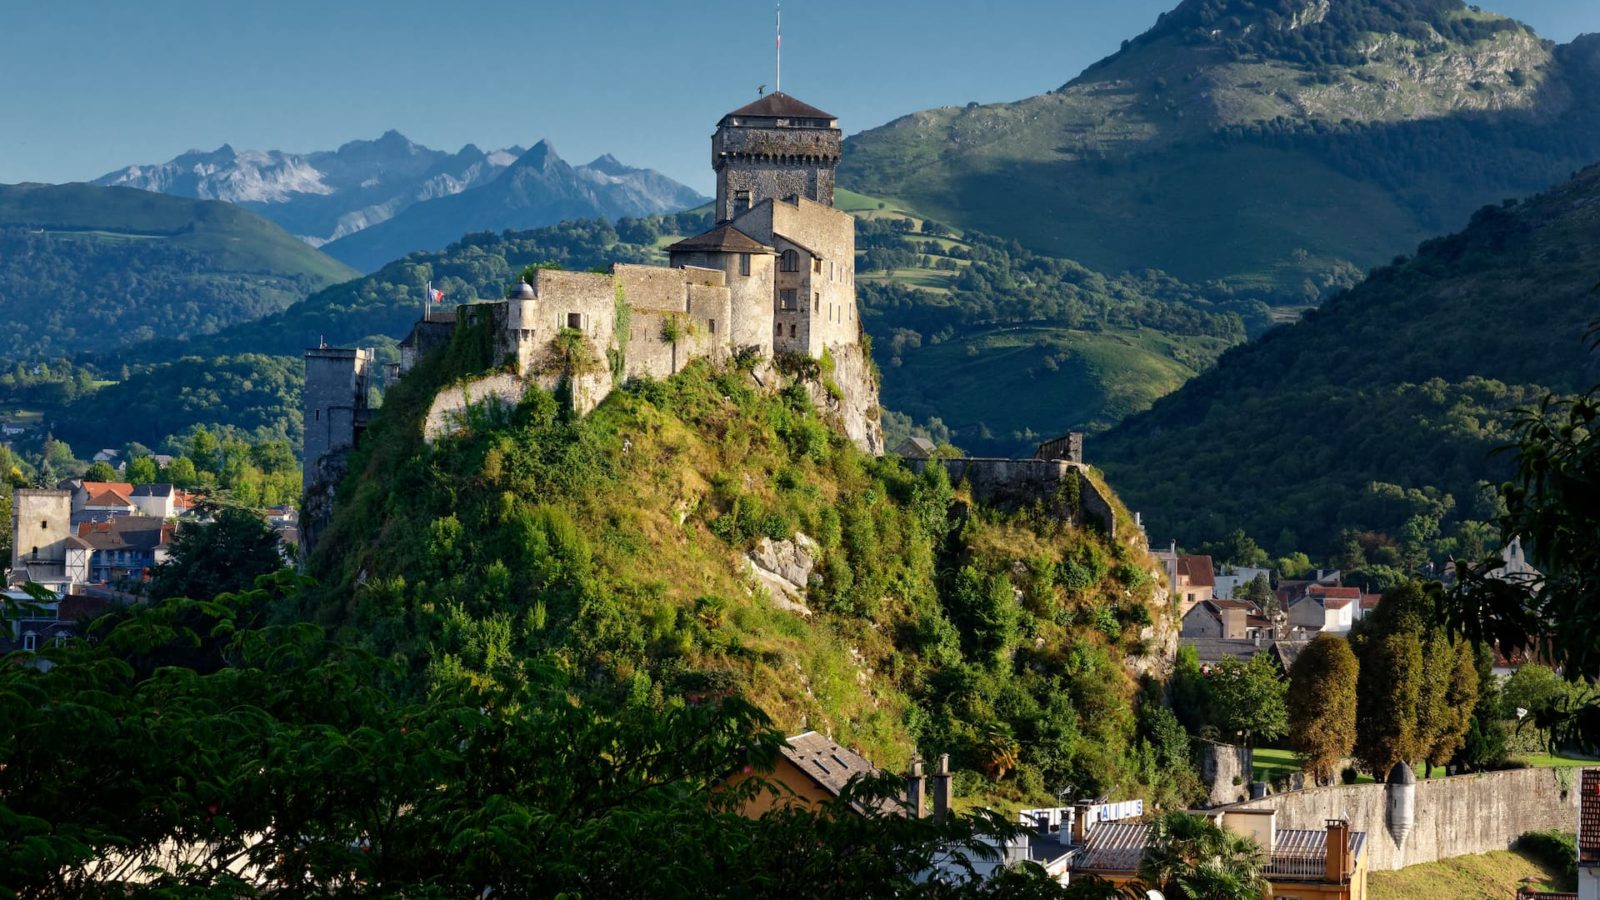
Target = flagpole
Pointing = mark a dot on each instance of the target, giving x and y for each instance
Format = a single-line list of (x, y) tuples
[(778, 79), (427, 297)]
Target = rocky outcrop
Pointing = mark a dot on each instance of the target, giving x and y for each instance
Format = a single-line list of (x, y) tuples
[(784, 569), (849, 396), (453, 407), (316, 506)]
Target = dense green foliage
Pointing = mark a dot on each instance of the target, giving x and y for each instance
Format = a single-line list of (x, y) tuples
[(249, 394), (192, 752), (1322, 705), (614, 544), (1556, 849), (1191, 856), (1234, 702), (1378, 412), (1553, 505), (224, 555), (94, 269)]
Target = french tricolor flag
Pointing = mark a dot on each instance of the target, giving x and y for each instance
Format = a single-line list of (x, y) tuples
[(434, 294)]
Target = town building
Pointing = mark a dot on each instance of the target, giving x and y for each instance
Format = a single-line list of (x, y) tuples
[(1324, 608), (1192, 578), (1237, 620), (813, 769)]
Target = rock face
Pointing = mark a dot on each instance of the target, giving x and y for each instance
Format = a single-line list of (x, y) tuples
[(784, 569), (850, 396), (1226, 771)]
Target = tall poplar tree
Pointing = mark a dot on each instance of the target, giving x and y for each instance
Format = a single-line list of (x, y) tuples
[(1322, 705)]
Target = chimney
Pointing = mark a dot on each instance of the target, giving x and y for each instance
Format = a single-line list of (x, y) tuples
[(916, 792), (943, 784), (1080, 823), (1336, 868)]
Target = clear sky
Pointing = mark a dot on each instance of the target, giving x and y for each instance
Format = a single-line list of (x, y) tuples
[(87, 87)]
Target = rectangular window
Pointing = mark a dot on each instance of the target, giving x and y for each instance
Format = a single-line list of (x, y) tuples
[(741, 202), (816, 303), (575, 320), (319, 415), (816, 264), (791, 331), (787, 299), (30, 642), (744, 264), (713, 326)]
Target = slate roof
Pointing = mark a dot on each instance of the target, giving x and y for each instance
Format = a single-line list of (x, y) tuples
[(126, 533), (1287, 652), (722, 239), (780, 105), (916, 448), (830, 764), (153, 490)]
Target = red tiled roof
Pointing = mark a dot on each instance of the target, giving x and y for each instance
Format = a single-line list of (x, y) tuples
[(107, 497), (77, 607), (1368, 601), (1198, 570), (1328, 590), (1337, 602)]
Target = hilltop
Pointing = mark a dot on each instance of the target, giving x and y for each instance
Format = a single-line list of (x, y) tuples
[(1379, 410), (619, 543), (1283, 146), (93, 269)]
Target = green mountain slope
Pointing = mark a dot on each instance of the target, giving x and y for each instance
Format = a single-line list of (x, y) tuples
[(615, 544), (1277, 145), (86, 268), (1379, 410)]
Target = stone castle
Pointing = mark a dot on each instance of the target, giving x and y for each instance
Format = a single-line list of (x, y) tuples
[(775, 276)]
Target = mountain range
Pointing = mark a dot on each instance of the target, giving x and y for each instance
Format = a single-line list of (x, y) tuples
[(1279, 146), (325, 197)]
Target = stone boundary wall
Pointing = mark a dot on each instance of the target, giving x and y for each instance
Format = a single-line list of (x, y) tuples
[(1454, 816)]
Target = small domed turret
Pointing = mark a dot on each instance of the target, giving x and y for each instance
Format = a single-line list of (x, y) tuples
[(523, 291), (1402, 802)]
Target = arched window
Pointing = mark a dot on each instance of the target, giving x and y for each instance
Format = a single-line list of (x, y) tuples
[(789, 262)]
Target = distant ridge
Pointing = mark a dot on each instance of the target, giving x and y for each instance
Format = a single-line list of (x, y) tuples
[(327, 195), (538, 189)]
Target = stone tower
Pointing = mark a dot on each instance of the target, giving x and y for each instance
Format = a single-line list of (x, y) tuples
[(41, 528), (334, 403), (774, 148)]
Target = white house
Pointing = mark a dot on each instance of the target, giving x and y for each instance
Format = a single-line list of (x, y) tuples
[(1325, 608)]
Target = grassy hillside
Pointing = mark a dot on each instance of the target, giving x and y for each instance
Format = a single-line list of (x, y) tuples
[(86, 268), (617, 542), (1271, 145), (1379, 411), (1482, 876)]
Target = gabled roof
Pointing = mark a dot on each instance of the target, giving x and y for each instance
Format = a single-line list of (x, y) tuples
[(722, 239), (153, 490), (916, 448), (107, 497), (814, 254), (1198, 570), (1328, 590), (780, 105), (830, 765), (1369, 601)]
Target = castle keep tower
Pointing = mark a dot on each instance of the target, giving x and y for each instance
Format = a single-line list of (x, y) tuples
[(774, 148)]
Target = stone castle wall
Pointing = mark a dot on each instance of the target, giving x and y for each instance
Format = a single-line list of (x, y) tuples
[(1454, 816), (1014, 483)]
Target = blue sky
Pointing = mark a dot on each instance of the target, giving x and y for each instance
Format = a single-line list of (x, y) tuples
[(86, 87)]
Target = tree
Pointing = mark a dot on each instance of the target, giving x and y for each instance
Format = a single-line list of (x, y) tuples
[(142, 470), (223, 555), (181, 472), (1322, 705), (100, 471), (1387, 692), (1553, 506), (1247, 699), (1461, 698), (1188, 856)]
